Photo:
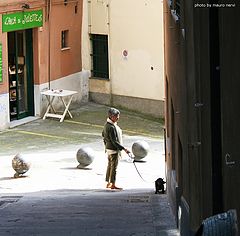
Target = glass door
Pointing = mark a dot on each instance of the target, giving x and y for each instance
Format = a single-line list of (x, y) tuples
[(20, 74)]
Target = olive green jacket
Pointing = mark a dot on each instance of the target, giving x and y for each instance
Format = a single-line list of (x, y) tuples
[(110, 137)]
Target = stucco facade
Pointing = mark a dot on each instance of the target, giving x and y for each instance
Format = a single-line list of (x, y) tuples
[(135, 46), (46, 60)]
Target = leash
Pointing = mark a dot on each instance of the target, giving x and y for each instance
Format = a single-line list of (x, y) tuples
[(132, 158)]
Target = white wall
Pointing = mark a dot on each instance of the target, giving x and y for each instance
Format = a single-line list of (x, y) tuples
[(137, 27), (86, 49), (76, 82), (99, 16), (4, 111)]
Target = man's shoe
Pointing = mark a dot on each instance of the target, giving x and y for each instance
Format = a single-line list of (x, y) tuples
[(115, 187), (109, 185)]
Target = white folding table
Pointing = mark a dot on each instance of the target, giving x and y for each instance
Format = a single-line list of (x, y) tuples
[(66, 98)]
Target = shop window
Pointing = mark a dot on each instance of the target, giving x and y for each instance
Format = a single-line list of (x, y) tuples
[(99, 55), (65, 39)]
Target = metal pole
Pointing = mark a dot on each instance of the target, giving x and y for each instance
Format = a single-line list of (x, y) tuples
[(49, 43)]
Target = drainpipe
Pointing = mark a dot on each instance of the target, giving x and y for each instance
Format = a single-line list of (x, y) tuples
[(49, 41), (109, 53)]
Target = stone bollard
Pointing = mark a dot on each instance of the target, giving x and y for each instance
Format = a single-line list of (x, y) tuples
[(20, 165), (140, 149), (85, 156)]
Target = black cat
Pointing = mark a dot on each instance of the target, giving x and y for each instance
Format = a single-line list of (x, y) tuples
[(159, 185)]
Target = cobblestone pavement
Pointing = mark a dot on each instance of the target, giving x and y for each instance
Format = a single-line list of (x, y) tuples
[(56, 198)]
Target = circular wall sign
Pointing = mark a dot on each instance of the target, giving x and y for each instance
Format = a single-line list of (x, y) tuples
[(125, 53)]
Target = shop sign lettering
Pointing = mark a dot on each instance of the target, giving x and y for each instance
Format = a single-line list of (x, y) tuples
[(22, 20)]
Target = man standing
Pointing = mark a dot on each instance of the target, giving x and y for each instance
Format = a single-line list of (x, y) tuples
[(112, 138)]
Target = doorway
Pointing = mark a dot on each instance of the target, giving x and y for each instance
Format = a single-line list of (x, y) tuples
[(20, 70)]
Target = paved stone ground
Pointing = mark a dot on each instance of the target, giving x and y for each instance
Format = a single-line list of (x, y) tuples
[(86, 212), (56, 198)]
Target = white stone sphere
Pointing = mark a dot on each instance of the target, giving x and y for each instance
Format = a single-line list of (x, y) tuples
[(85, 156), (140, 149), (20, 165)]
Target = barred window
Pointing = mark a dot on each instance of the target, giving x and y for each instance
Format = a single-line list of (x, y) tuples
[(65, 41), (99, 55)]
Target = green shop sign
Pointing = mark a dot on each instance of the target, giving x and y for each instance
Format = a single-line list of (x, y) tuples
[(22, 20)]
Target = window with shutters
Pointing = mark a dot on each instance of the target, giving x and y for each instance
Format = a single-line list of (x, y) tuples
[(99, 55)]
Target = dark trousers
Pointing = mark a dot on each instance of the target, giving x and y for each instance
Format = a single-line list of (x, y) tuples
[(112, 168)]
